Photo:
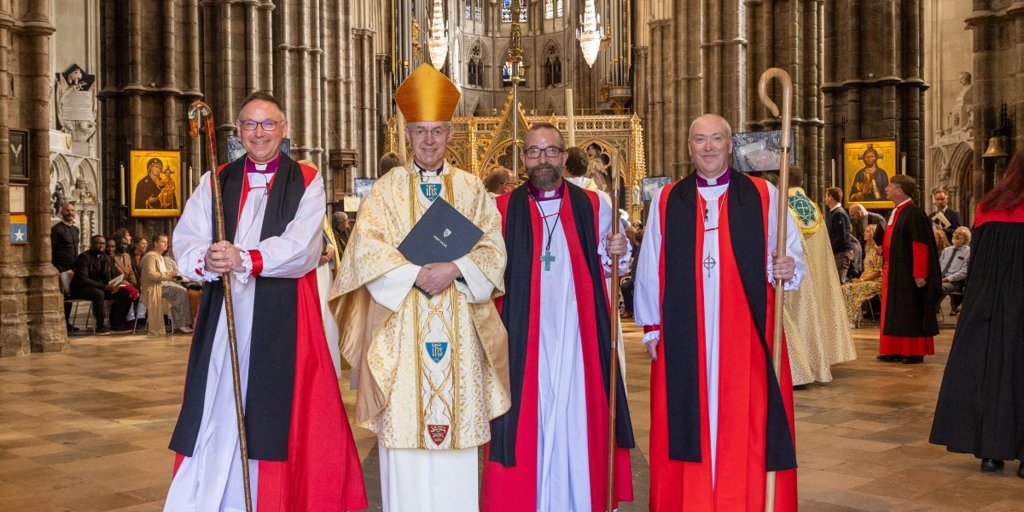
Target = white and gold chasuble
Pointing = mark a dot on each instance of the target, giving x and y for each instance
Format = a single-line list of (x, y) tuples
[(431, 372)]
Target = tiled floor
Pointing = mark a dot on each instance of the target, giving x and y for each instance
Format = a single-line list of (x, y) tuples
[(87, 429)]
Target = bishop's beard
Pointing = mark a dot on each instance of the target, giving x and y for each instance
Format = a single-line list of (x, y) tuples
[(543, 176)]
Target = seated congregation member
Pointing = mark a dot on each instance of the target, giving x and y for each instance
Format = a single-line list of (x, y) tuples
[(159, 285), (93, 274), (869, 284), (953, 262)]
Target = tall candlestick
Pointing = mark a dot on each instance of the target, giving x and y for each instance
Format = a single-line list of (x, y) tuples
[(570, 117), (124, 184), (833, 172), (903, 163)]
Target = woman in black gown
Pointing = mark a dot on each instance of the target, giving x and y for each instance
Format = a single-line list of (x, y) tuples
[(980, 408)]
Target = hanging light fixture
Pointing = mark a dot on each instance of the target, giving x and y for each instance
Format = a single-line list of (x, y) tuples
[(437, 44), (590, 33)]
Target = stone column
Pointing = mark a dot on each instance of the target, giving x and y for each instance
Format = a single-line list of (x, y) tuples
[(43, 301), (14, 337)]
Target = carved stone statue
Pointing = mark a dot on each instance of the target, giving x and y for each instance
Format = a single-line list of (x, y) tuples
[(963, 114), (57, 200)]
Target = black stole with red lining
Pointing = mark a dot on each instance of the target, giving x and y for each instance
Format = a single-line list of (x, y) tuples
[(679, 315), (268, 401), (515, 313)]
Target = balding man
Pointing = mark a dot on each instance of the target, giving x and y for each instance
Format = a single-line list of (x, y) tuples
[(499, 182), (708, 243)]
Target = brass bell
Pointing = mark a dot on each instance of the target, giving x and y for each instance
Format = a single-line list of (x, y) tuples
[(995, 148)]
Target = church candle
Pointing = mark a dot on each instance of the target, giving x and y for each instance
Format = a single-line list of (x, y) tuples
[(570, 117)]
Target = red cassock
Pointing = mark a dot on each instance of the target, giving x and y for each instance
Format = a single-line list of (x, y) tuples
[(514, 488), (322, 471), (742, 402)]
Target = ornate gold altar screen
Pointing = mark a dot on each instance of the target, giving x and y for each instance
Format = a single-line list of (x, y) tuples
[(481, 144)]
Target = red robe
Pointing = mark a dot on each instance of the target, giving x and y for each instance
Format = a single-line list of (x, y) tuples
[(514, 488), (903, 345), (322, 471), (743, 396)]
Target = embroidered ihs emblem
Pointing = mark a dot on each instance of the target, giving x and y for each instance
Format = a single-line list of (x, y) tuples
[(436, 350), (431, 190), (437, 433)]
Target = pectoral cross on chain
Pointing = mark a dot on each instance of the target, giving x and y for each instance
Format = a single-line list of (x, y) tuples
[(546, 259), (709, 263)]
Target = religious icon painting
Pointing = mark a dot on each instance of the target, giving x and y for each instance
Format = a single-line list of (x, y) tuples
[(154, 183), (867, 166)]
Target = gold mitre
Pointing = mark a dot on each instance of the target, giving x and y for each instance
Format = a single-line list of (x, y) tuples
[(427, 95)]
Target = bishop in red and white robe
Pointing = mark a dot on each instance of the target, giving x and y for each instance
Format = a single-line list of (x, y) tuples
[(720, 418), (550, 451), (301, 452)]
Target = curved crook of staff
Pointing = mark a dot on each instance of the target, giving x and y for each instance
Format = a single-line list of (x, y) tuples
[(780, 238), (200, 111)]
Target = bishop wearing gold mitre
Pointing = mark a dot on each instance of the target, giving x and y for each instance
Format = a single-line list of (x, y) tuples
[(426, 344)]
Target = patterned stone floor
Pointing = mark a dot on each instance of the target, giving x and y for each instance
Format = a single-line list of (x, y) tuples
[(86, 430)]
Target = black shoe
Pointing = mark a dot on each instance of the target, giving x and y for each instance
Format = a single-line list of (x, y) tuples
[(1020, 469), (913, 360), (125, 328), (102, 331), (72, 329), (991, 465), (890, 358)]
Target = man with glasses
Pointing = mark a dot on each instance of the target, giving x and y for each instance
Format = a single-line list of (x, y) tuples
[(429, 351), (704, 294), (301, 452), (550, 451)]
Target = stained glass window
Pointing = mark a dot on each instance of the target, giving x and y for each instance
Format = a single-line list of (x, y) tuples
[(506, 11)]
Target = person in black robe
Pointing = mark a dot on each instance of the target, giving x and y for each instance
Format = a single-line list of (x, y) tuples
[(911, 279), (980, 408)]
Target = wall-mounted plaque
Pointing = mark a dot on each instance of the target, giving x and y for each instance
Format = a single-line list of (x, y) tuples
[(17, 195), (18, 154)]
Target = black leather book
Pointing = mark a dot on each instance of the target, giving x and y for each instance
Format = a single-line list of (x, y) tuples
[(441, 235)]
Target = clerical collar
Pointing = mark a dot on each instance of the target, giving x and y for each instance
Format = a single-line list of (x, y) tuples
[(545, 195), (267, 168), (426, 173), (722, 179), (903, 202)]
